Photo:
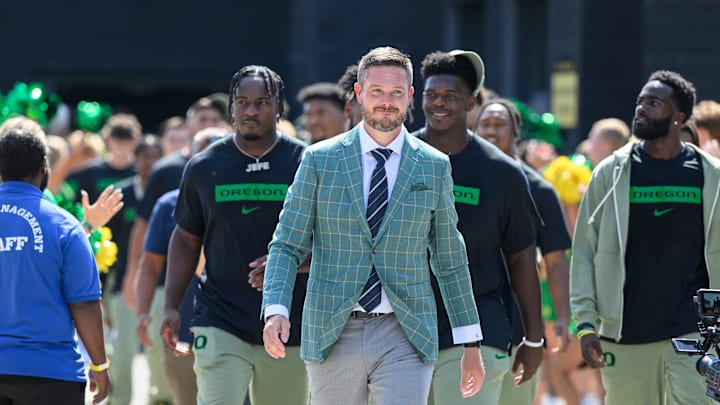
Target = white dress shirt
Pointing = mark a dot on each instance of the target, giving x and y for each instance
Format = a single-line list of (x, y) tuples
[(392, 165)]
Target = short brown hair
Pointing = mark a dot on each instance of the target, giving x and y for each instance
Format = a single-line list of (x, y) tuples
[(613, 130), (26, 124), (707, 115), (206, 103), (122, 126), (170, 123), (57, 148), (385, 56)]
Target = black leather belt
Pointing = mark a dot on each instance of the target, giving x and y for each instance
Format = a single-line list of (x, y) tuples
[(365, 315)]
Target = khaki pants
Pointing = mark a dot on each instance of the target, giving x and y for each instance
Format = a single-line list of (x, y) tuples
[(159, 387), (651, 374), (227, 366), (181, 378), (122, 346), (517, 395), (445, 387)]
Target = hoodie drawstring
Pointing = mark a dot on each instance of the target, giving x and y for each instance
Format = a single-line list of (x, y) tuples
[(616, 179)]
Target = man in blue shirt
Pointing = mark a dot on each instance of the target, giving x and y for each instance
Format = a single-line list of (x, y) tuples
[(51, 287)]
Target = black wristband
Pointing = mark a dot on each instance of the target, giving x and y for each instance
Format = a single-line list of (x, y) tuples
[(585, 326), (472, 344)]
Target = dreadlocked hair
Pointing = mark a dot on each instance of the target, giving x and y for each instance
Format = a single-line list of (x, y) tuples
[(273, 84), (347, 82), (515, 117)]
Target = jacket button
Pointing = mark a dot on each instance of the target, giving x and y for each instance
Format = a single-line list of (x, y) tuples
[(374, 250)]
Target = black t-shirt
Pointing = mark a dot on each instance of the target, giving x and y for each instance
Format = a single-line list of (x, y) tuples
[(497, 217), (165, 176), (552, 233), (233, 202), (95, 177), (664, 259), (121, 225)]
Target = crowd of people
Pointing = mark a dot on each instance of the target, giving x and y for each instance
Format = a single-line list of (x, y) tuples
[(345, 259)]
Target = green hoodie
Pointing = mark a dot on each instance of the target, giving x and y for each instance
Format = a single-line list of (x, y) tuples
[(597, 268)]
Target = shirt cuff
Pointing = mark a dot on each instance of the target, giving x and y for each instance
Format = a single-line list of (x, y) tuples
[(276, 309), (463, 334)]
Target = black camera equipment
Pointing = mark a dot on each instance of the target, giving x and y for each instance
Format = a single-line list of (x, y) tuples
[(708, 305)]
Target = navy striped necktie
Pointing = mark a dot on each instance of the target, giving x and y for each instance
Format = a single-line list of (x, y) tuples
[(377, 204)]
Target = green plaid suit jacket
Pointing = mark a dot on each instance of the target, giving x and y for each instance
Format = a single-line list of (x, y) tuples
[(326, 202)]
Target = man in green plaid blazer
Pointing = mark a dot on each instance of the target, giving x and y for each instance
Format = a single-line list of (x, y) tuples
[(327, 201)]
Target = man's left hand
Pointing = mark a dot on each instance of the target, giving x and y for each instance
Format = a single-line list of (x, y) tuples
[(473, 372), (562, 335), (530, 358), (100, 384)]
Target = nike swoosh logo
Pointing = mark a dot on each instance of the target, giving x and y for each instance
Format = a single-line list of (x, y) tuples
[(691, 164), (658, 213), (500, 356), (246, 211)]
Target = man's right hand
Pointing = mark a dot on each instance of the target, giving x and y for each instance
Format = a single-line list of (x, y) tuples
[(144, 321), (257, 274), (168, 331), (592, 351), (472, 371), (275, 334)]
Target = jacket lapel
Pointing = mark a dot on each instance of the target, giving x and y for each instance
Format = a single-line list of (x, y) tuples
[(348, 152)]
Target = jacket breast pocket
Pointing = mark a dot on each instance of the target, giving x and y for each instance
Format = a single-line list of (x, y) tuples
[(418, 203), (420, 197)]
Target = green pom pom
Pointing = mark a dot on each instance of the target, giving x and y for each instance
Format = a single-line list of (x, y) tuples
[(31, 101), (580, 160), (73, 208), (91, 115), (539, 126), (95, 242)]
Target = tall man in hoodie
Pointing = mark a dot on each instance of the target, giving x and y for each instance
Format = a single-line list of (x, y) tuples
[(646, 239)]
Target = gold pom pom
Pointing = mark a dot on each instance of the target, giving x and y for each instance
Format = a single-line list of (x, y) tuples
[(569, 179)]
